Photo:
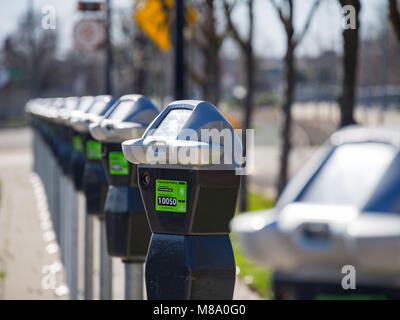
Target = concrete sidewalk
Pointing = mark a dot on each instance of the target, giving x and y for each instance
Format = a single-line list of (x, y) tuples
[(28, 255)]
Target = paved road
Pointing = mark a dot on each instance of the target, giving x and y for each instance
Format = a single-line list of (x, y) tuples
[(28, 255)]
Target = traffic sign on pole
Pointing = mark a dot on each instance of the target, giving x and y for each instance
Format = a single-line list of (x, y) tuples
[(89, 34)]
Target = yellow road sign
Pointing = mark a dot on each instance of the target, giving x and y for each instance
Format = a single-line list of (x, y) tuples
[(153, 17)]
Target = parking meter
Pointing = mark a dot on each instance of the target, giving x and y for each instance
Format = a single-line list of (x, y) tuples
[(80, 130), (64, 132), (94, 183), (188, 182), (45, 114), (127, 229)]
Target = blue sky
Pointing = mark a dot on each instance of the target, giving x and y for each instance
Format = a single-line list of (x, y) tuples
[(325, 31)]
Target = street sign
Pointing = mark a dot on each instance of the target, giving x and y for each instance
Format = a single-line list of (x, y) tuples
[(154, 18), (89, 34)]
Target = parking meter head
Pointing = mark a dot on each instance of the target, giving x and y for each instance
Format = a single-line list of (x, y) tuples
[(85, 103), (80, 121), (129, 118), (70, 104), (187, 134), (184, 174)]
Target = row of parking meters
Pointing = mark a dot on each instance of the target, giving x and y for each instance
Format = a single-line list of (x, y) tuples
[(173, 215)]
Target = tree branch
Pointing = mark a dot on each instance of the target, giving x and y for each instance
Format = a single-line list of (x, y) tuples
[(235, 34), (279, 10), (195, 75), (311, 13)]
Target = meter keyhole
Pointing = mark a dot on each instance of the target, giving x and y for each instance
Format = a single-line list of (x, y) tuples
[(145, 178)]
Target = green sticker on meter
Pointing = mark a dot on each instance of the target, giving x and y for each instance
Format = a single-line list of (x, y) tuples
[(171, 195), (117, 163), (77, 143), (93, 150)]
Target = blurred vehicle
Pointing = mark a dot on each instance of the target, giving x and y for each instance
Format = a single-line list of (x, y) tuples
[(342, 208)]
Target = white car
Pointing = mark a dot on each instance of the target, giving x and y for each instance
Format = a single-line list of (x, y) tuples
[(339, 215)]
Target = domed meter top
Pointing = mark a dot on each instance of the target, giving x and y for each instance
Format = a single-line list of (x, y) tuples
[(187, 134), (129, 118), (80, 122), (85, 103), (70, 104), (187, 169)]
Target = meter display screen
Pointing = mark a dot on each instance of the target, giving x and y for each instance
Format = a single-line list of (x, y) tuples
[(85, 103), (77, 143), (172, 124), (93, 150), (171, 195), (98, 107), (122, 110), (70, 103), (118, 163)]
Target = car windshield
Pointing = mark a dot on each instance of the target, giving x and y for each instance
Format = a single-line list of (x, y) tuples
[(350, 174)]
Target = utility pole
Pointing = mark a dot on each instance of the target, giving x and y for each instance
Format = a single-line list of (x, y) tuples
[(108, 48), (179, 89), (32, 53)]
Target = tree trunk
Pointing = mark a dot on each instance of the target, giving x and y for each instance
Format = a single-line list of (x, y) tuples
[(350, 64), (394, 16), (213, 83), (247, 119), (290, 83), (140, 63)]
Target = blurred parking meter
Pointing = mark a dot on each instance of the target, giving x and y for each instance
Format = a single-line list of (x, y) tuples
[(339, 212), (80, 122), (49, 166), (79, 125), (51, 153), (48, 157), (127, 230), (189, 185), (94, 187)]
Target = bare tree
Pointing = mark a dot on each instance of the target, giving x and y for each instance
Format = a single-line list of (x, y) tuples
[(207, 38), (18, 53), (350, 65), (246, 46), (394, 16), (286, 15)]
